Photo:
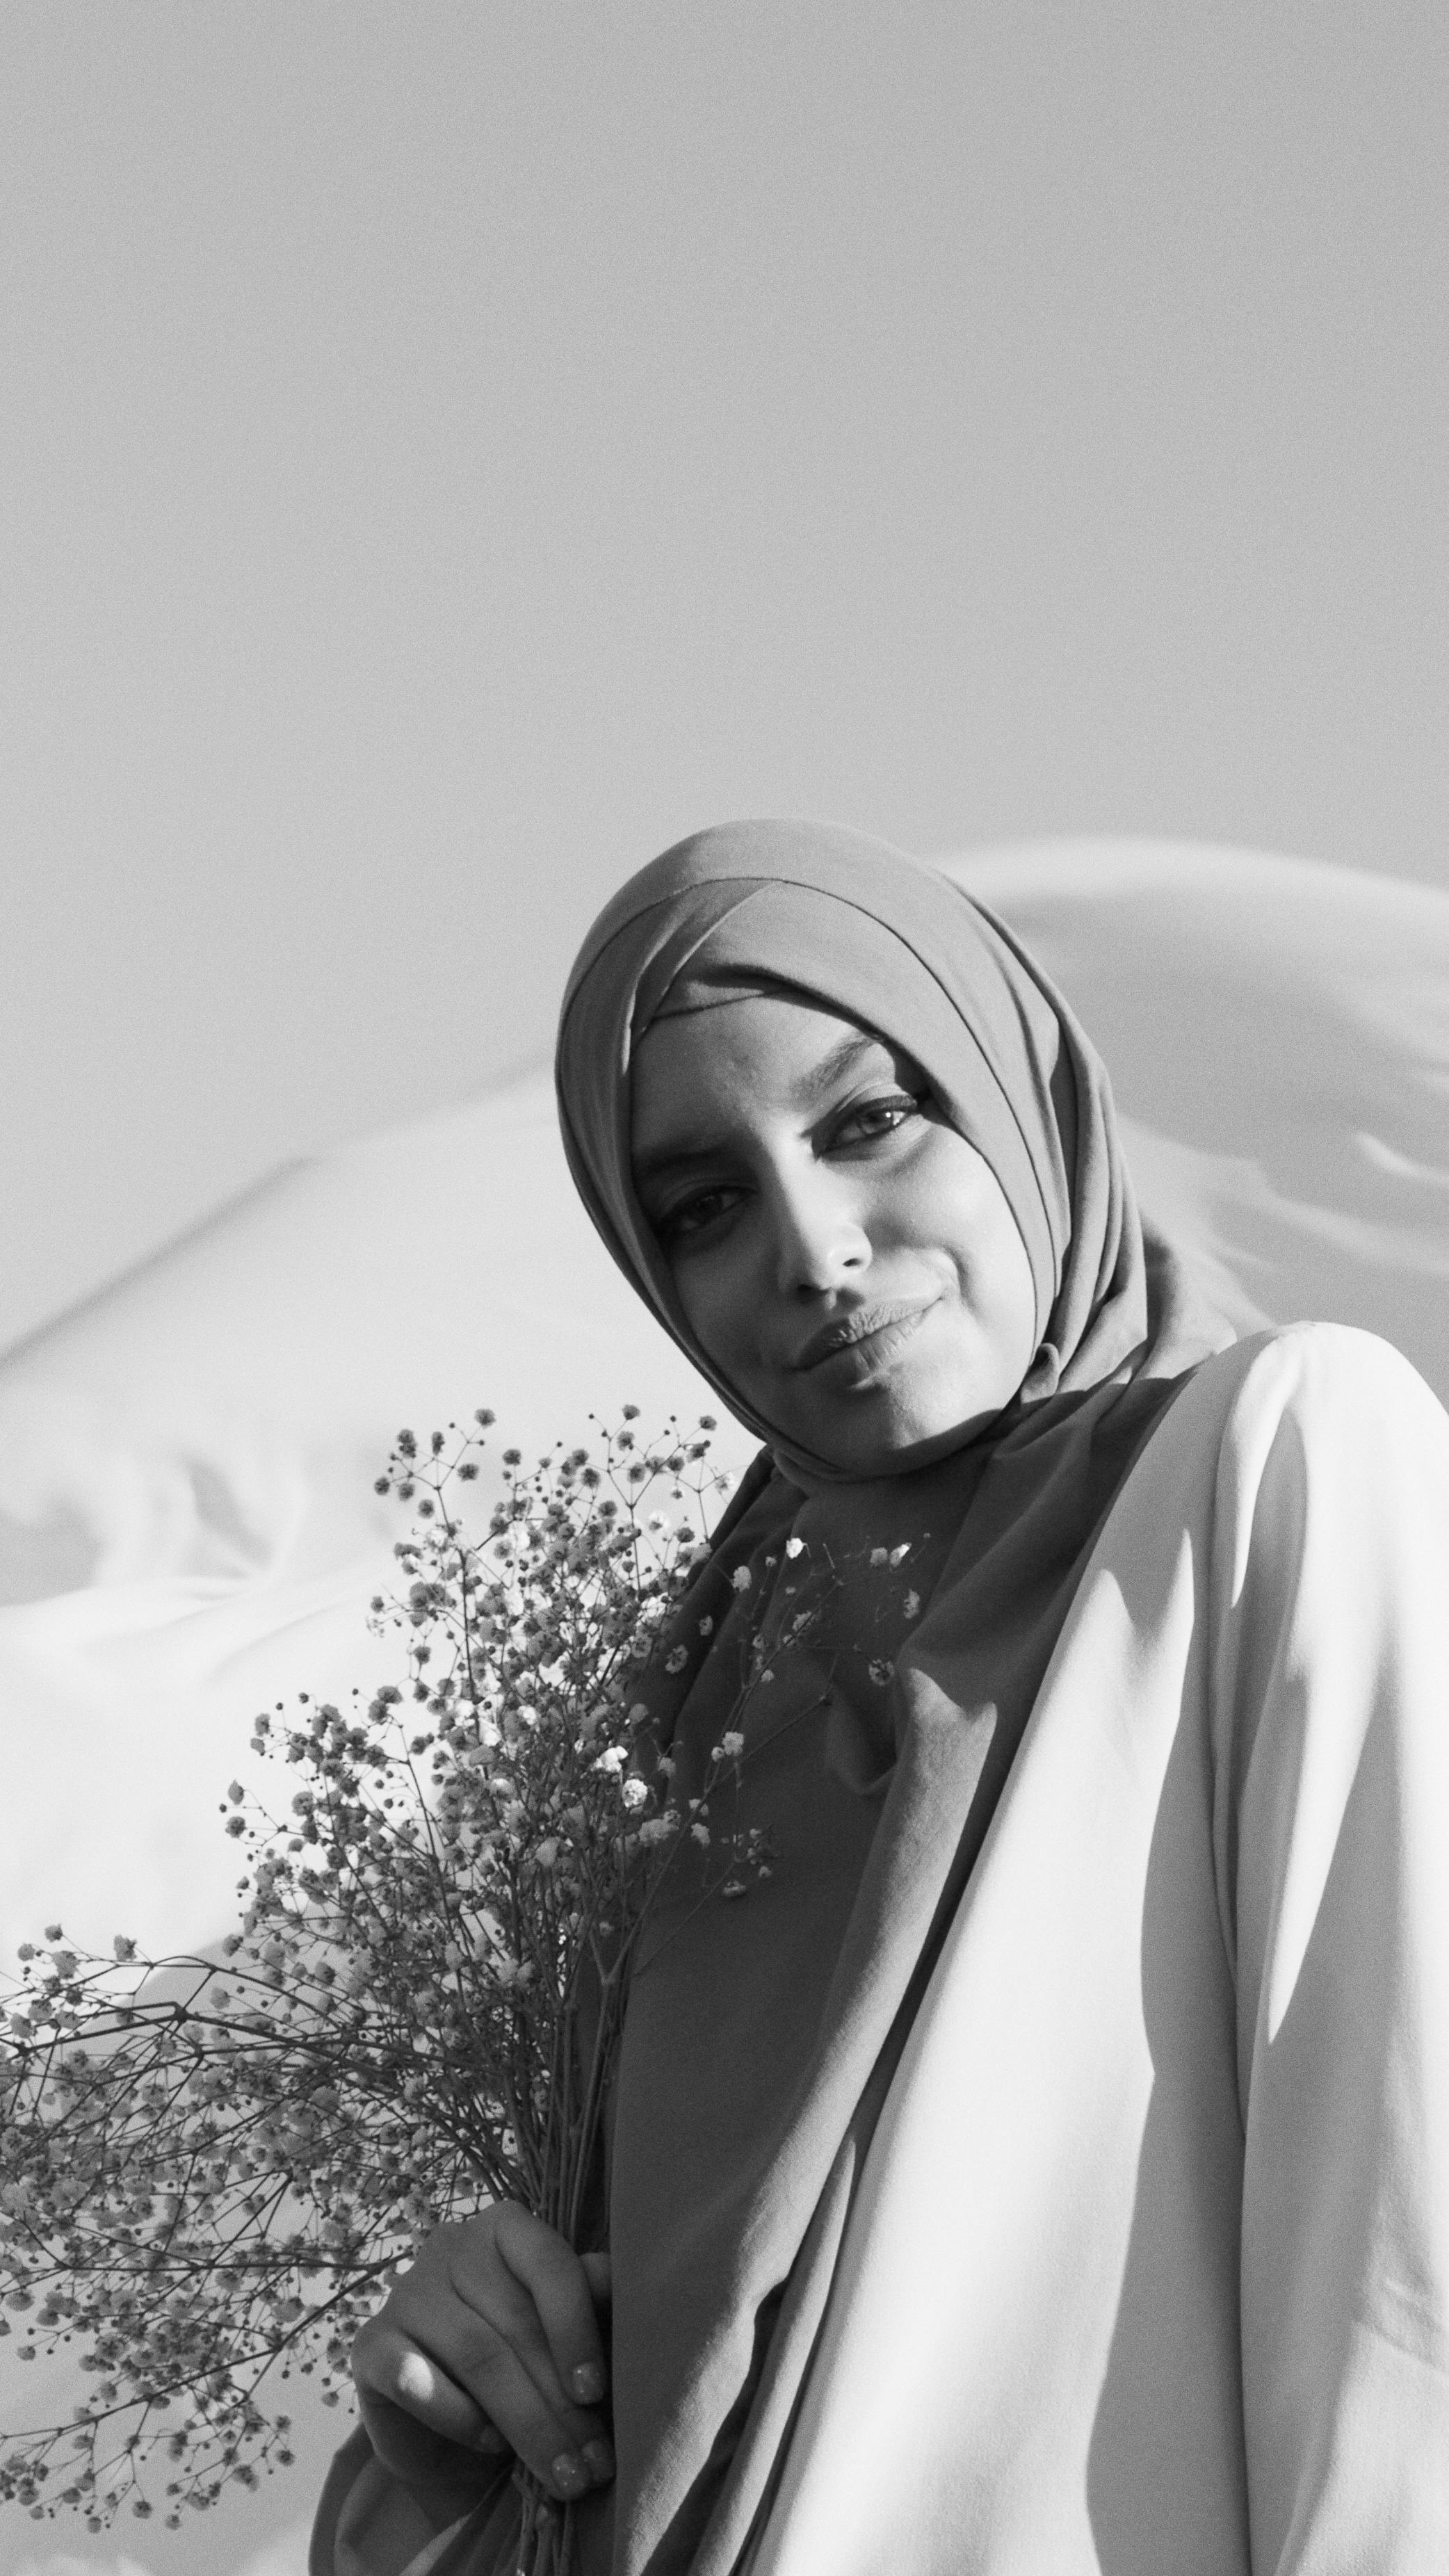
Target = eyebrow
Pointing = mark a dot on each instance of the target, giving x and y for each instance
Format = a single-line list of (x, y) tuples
[(681, 1153)]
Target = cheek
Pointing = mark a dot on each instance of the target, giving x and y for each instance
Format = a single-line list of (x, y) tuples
[(1011, 1324), (1007, 1305), (981, 1234), (713, 1308)]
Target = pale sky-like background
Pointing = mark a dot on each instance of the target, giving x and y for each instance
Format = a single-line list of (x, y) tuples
[(447, 452)]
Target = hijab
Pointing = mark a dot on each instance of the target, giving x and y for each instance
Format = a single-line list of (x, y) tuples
[(877, 1643)]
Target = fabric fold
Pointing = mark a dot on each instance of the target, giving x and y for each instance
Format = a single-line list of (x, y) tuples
[(1154, 2225)]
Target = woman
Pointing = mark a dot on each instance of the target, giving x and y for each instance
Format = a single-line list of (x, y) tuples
[(1048, 2169)]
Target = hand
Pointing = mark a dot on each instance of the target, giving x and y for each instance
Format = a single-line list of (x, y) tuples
[(490, 2343)]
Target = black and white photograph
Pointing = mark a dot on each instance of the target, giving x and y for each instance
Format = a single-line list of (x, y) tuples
[(724, 1292)]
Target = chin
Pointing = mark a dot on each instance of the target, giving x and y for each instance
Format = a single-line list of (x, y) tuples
[(875, 1430), (897, 1425)]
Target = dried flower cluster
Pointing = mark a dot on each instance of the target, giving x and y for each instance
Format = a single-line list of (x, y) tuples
[(208, 2167)]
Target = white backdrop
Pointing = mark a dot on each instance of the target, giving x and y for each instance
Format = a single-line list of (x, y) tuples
[(187, 1523), (187, 1526)]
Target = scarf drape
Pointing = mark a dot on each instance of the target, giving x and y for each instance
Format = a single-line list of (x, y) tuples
[(763, 2029)]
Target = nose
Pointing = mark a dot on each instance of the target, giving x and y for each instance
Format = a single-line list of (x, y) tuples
[(819, 1243)]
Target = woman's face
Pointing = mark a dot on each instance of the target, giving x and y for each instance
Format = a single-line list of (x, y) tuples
[(847, 1260)]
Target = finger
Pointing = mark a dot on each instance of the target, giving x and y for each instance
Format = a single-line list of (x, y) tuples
[(390, 2368), (420, 2458), (426, 2431), (489, 2307), (600, 2278), (485, 2391), (551, 2271), (566, 2448)]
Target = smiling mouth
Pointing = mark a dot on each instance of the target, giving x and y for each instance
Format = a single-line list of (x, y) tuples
[(863, 1340)]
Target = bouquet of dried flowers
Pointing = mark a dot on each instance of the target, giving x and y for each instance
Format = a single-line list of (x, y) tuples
[(209, 2166)]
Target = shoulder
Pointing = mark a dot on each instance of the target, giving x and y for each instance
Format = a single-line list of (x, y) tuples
[(1297, 1408), (1314, 1375), (1306, 1445)]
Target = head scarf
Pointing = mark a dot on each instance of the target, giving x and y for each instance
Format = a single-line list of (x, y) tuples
[(762, 2033), (883, 940)]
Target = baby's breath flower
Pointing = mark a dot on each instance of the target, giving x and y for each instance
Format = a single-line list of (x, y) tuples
[(417, 1906)]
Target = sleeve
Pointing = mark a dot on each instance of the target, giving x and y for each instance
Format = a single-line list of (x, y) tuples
[(368, 2524), (1331, 1576)]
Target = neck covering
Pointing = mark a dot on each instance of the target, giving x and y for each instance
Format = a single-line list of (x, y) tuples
[(878, 1643), (883, 940)]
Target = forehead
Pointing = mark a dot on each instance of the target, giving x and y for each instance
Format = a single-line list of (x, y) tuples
[(756, 1057)]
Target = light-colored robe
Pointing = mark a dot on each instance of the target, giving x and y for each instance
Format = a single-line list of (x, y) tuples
[(1148, 2273), (1148, 2269)]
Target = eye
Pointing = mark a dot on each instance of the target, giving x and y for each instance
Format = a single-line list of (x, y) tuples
[(696, 1214), (861, 1124), (872, 1118)]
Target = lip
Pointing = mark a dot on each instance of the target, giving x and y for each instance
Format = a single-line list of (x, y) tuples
[(871, 1334)]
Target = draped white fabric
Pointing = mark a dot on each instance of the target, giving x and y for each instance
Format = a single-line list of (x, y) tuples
[(187, 1528), (1148, 2273), (187, 1525)]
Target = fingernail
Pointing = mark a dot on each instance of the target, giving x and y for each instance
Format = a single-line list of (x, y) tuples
[(588, 2383), (599, 2460), (568, 2472)]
